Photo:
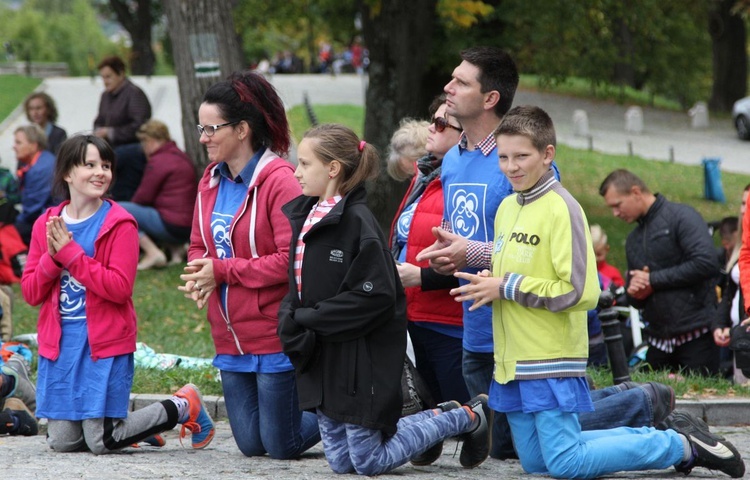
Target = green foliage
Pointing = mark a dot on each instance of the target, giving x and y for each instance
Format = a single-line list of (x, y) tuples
[(267, 28), (664, 42), (15, 88), (50, 31), (349, 115)]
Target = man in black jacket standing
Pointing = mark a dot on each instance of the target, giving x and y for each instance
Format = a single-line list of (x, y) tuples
[(671, 270)]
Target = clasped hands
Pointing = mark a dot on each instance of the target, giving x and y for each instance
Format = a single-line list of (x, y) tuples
[(639, 286), (199, 281), (57, 235)]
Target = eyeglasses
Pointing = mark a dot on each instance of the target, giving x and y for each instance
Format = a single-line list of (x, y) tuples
[(210, 130), (441, 124)]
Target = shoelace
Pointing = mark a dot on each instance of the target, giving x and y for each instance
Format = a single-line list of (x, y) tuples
[(194, 427)]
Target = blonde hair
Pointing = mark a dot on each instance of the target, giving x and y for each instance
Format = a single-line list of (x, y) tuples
[(598, 236), (409, 142), (359, 160), (34, 134), (153, 129)]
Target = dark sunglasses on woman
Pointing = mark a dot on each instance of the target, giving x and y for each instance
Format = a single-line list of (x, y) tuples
[(441, 124)]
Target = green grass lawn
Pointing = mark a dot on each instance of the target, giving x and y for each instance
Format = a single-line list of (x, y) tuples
[(14, 90), (169, 323)]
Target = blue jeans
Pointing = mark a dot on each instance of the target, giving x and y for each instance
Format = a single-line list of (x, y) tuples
[(551, 442), (264, 414), (150, 222), (478, 369), (439, 363), (614, 407), (354, 448)]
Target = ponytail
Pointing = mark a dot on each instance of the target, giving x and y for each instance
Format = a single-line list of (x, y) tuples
[(359, 160)]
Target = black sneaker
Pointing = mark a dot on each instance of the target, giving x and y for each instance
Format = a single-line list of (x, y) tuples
[(710, 451), (662, 399), (27, 425), (25, 389), (430, 456), (476, 447)]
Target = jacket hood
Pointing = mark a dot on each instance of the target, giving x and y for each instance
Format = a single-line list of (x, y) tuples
[(268, 163)]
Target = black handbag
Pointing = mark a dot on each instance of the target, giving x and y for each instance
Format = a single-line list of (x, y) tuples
[(739, 343), (416, 395)]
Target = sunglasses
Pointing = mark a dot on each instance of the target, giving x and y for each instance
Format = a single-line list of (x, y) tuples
[(441, 124)]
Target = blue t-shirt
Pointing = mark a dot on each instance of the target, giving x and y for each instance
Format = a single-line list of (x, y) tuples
[(530, 396), (473, 187), (229, 200), (85, 231)]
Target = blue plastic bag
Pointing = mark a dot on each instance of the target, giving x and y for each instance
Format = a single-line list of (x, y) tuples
[(712, 187)]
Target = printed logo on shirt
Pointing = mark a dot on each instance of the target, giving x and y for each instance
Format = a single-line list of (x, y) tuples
[(523, 243), (220, 226), (499, 243), (336, 256), (466, 207), (71, 294), (367, 287)]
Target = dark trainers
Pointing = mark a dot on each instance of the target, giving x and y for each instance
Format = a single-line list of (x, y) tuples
[(430, 456), (662, 399), (27, 425), (710, 451), (25, 389), (477, 443), (198, 421)]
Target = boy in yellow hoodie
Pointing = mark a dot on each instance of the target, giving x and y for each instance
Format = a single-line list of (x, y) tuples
[(543, 281)]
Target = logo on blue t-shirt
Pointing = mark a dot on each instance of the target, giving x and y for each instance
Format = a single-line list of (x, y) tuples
[(466, 210), (220, 225), (72, 296)]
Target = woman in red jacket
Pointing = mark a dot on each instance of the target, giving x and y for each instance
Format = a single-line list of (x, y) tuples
[(238, 259)]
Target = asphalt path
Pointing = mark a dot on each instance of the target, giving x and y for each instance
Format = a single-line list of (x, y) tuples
[(30, 458)]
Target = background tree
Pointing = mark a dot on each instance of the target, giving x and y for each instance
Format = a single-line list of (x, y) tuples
[(205, 49), (137, 17), (729, 44), (56, 31), (398, 36)]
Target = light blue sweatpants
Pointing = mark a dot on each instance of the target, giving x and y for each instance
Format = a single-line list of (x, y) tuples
[(551, 442)]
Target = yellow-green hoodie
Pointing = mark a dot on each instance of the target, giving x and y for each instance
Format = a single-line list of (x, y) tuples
[(543, 253)]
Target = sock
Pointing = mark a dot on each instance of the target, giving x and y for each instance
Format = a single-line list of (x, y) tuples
[(687, 450), (7, 385), (183, 409), (473, 417)]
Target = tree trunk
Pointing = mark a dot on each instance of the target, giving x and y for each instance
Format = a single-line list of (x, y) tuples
[(728, 38), (398, 37), (624, 73), (138, 24), (205, 50)]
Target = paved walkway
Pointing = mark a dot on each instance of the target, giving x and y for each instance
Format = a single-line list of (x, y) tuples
[(30, 458)]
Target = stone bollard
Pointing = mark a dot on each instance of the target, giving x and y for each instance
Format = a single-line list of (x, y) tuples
[(699, 115), (634, 120), (580, 123)]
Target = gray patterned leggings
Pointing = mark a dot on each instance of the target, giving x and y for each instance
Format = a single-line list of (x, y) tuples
[(351, 448)]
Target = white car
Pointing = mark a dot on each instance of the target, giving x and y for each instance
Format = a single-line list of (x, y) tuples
[(741, 117)]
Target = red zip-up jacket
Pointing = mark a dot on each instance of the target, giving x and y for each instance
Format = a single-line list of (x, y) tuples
[(108, 277), (256, 275)]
